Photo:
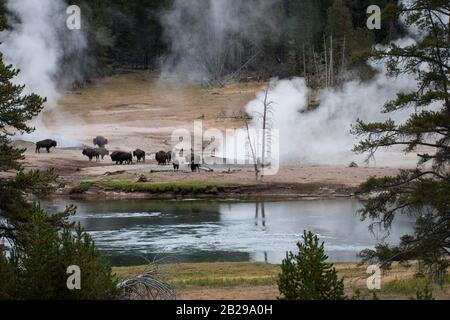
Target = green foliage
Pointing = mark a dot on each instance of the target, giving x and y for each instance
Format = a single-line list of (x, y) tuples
[(41, 246), (44, 249), (307, 275), (425, 294), (425, 191)]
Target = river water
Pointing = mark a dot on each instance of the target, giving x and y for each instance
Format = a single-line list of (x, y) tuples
[(130, 232)]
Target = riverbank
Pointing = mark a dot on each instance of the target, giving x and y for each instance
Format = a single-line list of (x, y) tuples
[(257, 281)]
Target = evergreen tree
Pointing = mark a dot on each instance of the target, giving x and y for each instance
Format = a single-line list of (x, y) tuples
[(307, 275), (425, 191), (41, 246)]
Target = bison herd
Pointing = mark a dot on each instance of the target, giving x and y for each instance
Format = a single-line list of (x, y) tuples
[(121, 157)]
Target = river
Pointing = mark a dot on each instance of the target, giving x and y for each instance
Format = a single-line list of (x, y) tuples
[(131, 232)]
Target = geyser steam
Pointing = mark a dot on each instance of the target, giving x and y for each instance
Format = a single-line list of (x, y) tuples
[(210, 38), (37, 42)]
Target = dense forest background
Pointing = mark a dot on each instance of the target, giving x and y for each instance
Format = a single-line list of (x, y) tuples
[(303, 37)]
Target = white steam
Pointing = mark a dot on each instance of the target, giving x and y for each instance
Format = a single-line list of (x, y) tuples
[(36, 42), (322, 136), (206, 38)]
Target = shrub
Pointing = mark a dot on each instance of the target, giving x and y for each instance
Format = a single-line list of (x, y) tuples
[(307, 276)]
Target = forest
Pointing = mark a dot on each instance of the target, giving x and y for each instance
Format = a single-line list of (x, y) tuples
[(288, 38)]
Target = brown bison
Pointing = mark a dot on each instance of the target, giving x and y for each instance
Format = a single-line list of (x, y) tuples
[(139, 154), (100, 141), (161, 158), (91, 153), (47, 144), (170, 155), (102, 152), (120, 157)]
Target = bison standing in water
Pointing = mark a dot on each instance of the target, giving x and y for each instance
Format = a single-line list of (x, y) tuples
[(91, 153), (139, 154), (119, 157), (102, 152), (161, 158), (100, 141), (47, 144)]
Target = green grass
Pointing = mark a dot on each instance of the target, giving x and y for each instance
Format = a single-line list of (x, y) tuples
[(82, 187), (211, 275), (411, 285), (194, 276), (182, 187)]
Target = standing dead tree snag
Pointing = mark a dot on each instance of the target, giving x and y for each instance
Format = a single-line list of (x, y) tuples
[(260, 159)]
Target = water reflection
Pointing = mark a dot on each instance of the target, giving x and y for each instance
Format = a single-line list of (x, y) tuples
[(134, 231)]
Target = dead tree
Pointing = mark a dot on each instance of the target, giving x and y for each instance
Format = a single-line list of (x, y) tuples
[(147, 286)]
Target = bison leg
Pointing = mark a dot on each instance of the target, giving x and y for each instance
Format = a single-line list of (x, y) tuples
[(48, 150)]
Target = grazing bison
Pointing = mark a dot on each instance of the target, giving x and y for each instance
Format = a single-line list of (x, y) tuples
[(139, 154), (47, 144), (120, 157), (161, 158), (91, 153), (100, 141), (102, 152)]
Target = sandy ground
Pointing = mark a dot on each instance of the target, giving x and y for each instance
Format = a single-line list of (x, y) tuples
[(139, 111)]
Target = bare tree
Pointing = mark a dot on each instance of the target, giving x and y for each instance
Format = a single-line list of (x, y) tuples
[(147, 286)]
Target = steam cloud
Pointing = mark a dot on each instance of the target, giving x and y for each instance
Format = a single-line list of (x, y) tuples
[(322, 136), (39, 44), (206, 37)]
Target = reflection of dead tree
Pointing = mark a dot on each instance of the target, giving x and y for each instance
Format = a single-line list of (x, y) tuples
[(147, 286)]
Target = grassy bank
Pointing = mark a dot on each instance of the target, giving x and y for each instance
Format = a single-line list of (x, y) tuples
[(258, 280), (181, 187)]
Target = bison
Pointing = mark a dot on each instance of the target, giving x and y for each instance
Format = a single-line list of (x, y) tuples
[(161, 158), (47, 144), (139, 154), (102, 152), (100, 141), (170, 155), (91, 153), (120, 157)]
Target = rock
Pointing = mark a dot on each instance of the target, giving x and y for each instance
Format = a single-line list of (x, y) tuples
[(353, 165), (142, 178)]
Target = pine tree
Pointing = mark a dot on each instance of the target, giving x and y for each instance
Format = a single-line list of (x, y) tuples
[(425, 191), (307, 275), (41, 245)]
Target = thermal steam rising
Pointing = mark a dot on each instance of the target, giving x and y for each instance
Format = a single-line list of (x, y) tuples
[(37, 42)]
